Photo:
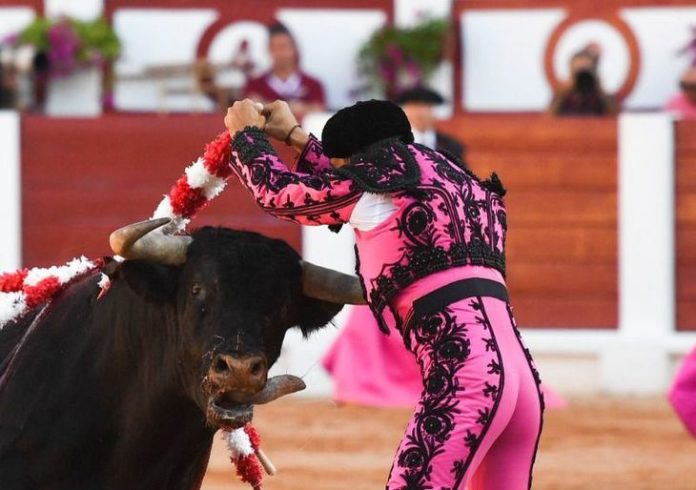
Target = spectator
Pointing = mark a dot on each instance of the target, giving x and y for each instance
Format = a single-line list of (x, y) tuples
[(683, 104), (285, 80), (418, 104), (8, 87), (583, 95)]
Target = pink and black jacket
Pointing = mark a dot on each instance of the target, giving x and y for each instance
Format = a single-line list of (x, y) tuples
[(446, 216)]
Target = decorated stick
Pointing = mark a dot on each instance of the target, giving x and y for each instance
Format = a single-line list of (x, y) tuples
[(266, 462), (25, 289), (201, 182)]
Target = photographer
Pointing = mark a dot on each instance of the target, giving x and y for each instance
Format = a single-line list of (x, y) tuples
[(582, 95)]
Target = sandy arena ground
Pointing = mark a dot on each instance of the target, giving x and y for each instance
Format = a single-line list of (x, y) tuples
[(597, 444)]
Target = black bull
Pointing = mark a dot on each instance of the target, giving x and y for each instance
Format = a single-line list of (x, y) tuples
[(127, 391)]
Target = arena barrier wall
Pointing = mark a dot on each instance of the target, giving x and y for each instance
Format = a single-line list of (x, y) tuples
[(592, 264)]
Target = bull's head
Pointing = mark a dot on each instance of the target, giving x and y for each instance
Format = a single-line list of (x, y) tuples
[(234, 294)]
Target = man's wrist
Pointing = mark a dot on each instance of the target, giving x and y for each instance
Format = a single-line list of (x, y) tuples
[(292, 130), (298, 139)]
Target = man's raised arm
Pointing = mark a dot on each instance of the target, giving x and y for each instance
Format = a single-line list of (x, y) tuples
[(319, 198)]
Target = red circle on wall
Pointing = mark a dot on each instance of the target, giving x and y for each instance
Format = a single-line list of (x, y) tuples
[(613, 20)]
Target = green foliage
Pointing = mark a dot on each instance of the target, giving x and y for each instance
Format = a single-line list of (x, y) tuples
[(97, 36), (392, 49), (36, 34)]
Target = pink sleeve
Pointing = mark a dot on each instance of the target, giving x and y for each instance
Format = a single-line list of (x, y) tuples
[(312, 158), (324, 198)]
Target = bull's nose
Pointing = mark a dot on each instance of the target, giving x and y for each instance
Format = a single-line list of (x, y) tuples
[(247, 373)]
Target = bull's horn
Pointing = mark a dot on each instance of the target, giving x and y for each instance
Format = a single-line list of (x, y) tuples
[(332, 286), (278, 386), (136, 241)]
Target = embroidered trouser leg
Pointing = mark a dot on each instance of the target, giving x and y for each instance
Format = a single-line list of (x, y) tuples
[(479, 419)]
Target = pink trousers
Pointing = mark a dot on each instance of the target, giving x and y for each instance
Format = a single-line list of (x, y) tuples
[(478, 422)]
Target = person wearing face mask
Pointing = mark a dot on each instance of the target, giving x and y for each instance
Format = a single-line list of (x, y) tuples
[(582, 95)]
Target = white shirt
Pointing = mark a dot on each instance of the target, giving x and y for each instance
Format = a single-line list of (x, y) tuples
[(289, 88), (427, 138), (371, 210)]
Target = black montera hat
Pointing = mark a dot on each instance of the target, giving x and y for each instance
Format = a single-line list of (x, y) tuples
[(423, 95), (360, 125)]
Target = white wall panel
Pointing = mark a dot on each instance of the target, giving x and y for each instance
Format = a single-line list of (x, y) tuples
[(10, 192), (12, 19), (153, 37), (81, 9), (503, 58), (661, 32)]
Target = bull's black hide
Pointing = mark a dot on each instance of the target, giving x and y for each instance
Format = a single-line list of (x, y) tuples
[(109, 393)]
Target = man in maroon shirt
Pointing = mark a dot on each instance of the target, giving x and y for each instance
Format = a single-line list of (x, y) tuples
[(285, 80)]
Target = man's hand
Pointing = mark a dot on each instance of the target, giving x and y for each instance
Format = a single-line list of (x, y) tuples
[(244, 113), (281, 124), (279, 119)]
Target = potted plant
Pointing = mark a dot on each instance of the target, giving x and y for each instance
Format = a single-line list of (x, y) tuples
[(69, 58), (395, 59)]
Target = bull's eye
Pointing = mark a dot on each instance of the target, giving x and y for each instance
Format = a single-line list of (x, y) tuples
[(196, 289)]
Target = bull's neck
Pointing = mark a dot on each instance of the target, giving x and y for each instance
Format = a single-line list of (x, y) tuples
[(139, 342), (148, 358), (107, 370)]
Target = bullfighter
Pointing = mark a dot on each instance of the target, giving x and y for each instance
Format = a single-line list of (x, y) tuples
[(430, 244)]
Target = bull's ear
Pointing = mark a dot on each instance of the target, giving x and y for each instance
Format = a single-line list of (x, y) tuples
[(315, 313), (156, 283)]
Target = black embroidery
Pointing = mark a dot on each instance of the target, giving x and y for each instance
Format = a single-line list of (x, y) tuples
[(490, 391), (472, 443), (385, 166), (473, 241), (250, 150), (528, 356), (484, 416), (447, 346), (495, 185), (494, 367), (445, 168), (312, 151), (444, 340), (537, 379), (256, 153)]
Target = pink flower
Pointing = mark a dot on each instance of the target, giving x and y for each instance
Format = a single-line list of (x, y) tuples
[(64, 46), (10, 39)]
